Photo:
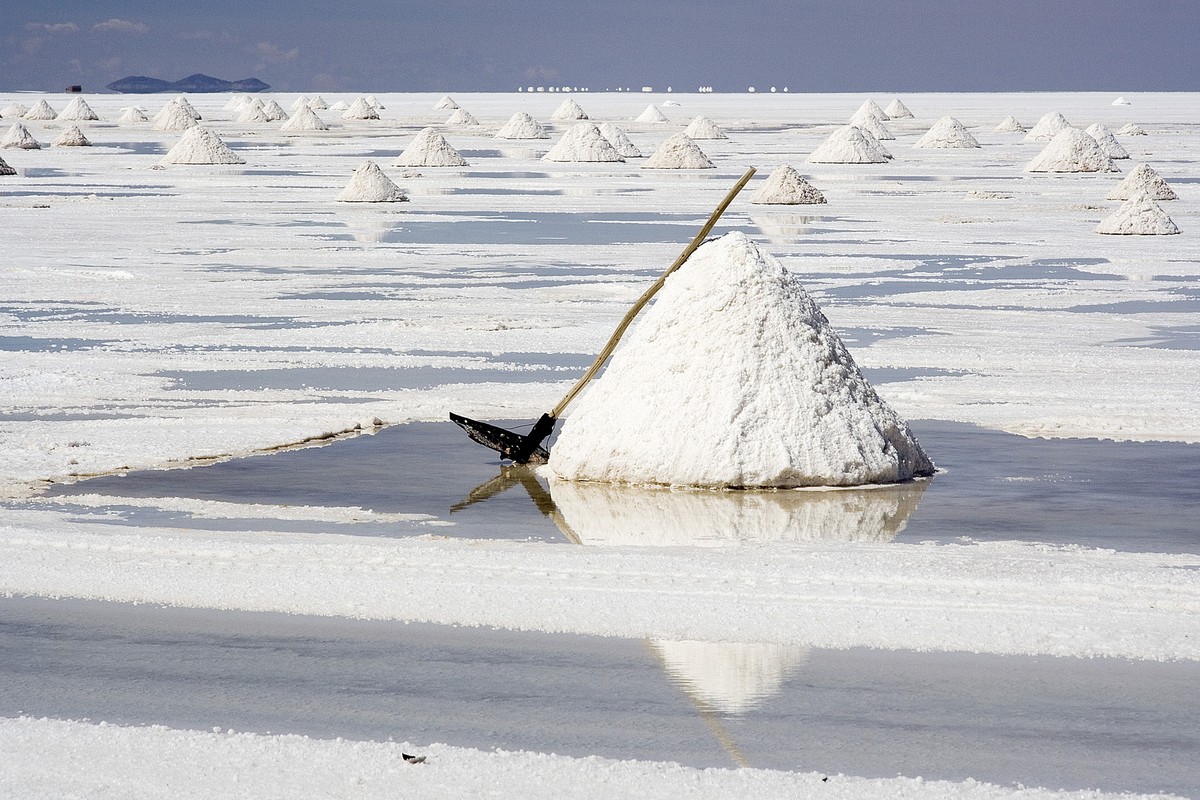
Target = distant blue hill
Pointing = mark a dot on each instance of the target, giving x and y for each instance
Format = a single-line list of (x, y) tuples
[(197, 84)]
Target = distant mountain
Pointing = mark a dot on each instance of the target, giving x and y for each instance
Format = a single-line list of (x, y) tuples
[(196, 84)]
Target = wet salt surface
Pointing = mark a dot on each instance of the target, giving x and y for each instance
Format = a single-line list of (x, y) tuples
[(1058, 722)]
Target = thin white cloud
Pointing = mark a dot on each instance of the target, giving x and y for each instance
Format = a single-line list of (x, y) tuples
[(274, 54), (52, 27), (121, 26)]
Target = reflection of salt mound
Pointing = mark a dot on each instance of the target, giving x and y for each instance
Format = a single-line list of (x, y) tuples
[(1142, 179), (1140, 216), (1050, 125), (522, 126), (78, 109), (728, 677), (947, 132), (783, 227), (1072, 150), (1129, 129), (1010, 125), (41, 111), (733, 377), (897, 110), (462, 117), (704, 128), (1108, 143), (872, 108), (273, 111), (445, 104), (848, 145), (131, 115), (679, 152), (253, 112), (583, 142), (620, 140), (370, 185), (5, 169), (569, 109), (360, 109), (173, 117), (785, 186), (71, 136), (199, 145), (13, 110), (19, 138), (872, 125), (652, 115), (305, 119), (430, 149)]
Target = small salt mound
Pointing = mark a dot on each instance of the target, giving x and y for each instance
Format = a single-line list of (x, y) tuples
[(305, 119), (620, 140), (1121, 101), (370, 185), (360, 109), (78, 109), (1050, 125), (897, 110), (679, 152), (734, 378), (173, 117), (785, 186), (14, 110), (236, 102), (299, 103), (430, 149), (848, 145), (1129, 129), (947, 132), (374, 101), (1108, 143), (872, 108), (71, 136), (273, 111), (41, 111), (569, 109), (462, 117), (340, 105), (652, 115), (5, 169), (1139, 216), (318, 103), (583, 142), (1072, 150), (704, 128), (19, 138), (131, 115), (186, 106), (445, 104), (522, 126), (199, 145), (1142, 179), (871, 124), (253, 112), (1010, 125)]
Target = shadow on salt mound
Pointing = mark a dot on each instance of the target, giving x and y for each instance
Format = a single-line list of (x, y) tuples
[(1108, 143), (1142, 179), (1072, 150), (5, 169), (18, 137), (445, 104), (1139, 216), (620, 140), (71, 136), (360, 109)]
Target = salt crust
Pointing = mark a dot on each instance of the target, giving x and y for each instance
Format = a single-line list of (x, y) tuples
[(1130, 129), (370, 185), (78, 109), (1072, 150), (445, 104), (1108, 143), (872, 108), (429, 149), (18, 137), (71, 136), (1138, 216), (461, 117), (583, 142), (1049, 126), (200, 145), (13, 110), (360, 109), (1010, 125), (522, 126), (947, 132), (1142, 179), (871, 124), (5, 169), (679, 152), (173, 117), (569, 109), (704, 128), (131, 116), (734, 378), (305, 119), (785, 186), (652, 115), (897, 110), (620, 140), (41, 111), (848, 145)]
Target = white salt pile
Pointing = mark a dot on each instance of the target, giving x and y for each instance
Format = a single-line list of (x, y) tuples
[(1129, 129), (1108, 143), (253, 112), (1049, 126), (1072, 150), (236, 101), (1142, 179), (199, 145), (462, 117), (620, 140), (370, 185), (273, 111), (583, 141), (1121, 101), (360, 109), (131, 115), (13, 110), (78, 109), (5, 169), (569, 109), (871, 124), (785, 186), (947, 132), (318, 103), (522, 126), (173, 117), (872, 108), (297, 104), (679, 152), (897, 110), (41, 111), (652, 115), (734, 378), (430, 149), (848, 145), (19, 138), (305, 119), (340, 105), (445, 104), (1138, 216), (704, 128), (186, 106), (374, 101), (71, 136), (1010, 125)]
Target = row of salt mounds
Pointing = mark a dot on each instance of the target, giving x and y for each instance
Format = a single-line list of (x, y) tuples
[(1129, 129), (620, 140), (430, 149), (679, 152), (568, 110), (947, 132), (704, 128), (173, 117), (360, 109), (5, 169), (1010, 125), (41, 111), (18, 137), (132, 115), (1142, 179), (445, 104), (71, 136), (652, 115), (734, 378), (13, 110), (849, 145), (1072, 150), (199, 145), (370, 185), (1108, 143), (1050, 125), (305, 119), (462, 117), (583, 141), (522, 126), (78, 110), (897, 110), (785, 186), (871, 124), (1138, 216)]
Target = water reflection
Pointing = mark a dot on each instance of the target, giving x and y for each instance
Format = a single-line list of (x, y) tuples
[(783, 226), (729, 678)]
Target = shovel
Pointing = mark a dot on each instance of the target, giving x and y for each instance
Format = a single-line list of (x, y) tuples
[(527, 448)]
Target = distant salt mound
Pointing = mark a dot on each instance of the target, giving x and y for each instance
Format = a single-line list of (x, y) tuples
[(1108, 143), (253, 112), (360, 109), (173, 117), (569, 109), (18, 137), (5, 169), (1138, 216), (461, 117), (947, 132), (897, 110), (1072, 150), (445, 104), (583, 142), (78, 110), (236, 101), (848, 145), (872, 108), (871, 124), (1010, 125), (620, 140), (522, 126), (876, 145), (132, 115), (652, 115), (13, 110), (1049, 126), (1121, 101), (374, 101), (1129, 129), (704, 128), (785, 186), (679, 152), (370, 185), (318, 103), (734, 378), (273, 111), (186, 106), (1143, 180), (299, 103), (41, 111), (200, 145), (430, 149), (71, 136), (340, 105), (305, 119)]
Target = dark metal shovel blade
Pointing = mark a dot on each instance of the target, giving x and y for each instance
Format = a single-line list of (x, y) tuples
[(512, 446)]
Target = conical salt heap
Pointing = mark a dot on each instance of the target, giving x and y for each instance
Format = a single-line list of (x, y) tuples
[(173, 117), (897, 110), (41, 111), (183, 103), (5, 169), (462, 117), (734, 378), (374, 101), (1010, 125), (305, 119), (445, 104), (1108, 143), (1121, 101), (652, 115), (569, 109), (678, 152), (1139, 216), (947, 132), (872, 108), (340, 105), (522, 126), (360, 109), (13, 110), (236, 101), (583, 142), (273, 111), (78, 109), (297, 104), (704, 128), (71, 136), (19, 138), (1072, 150), (1129, 129), (253, 112), (785, 186), (199, 145), (430, 149), (1049, 126), (1142, 179), (620, 140), (848, 145), (871, 124), (370, 185), (318, 103), (131, 115)]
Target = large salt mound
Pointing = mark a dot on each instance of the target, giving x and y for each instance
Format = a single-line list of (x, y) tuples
[(1050, 125), (430, 149), (5, 169), (872, 108), (19, 138), (41, 111), (1108, 143), (734, 378), (1010, 125), (620, 140), (1142, 179), (13, 110), (71, 136), (78, 109), (848, 145), (1140, 216), (704, 128), (445, 104), (360, 109), (785, 186), (1072, 150), (871, 124), (462, 117), (199, 145), (947, 132), (305, 119), (370, 185), (897, 110), (583, 141), (173, 117), (569, 109), (131, 115), (522, 126), (652, 115), (678, 152)]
